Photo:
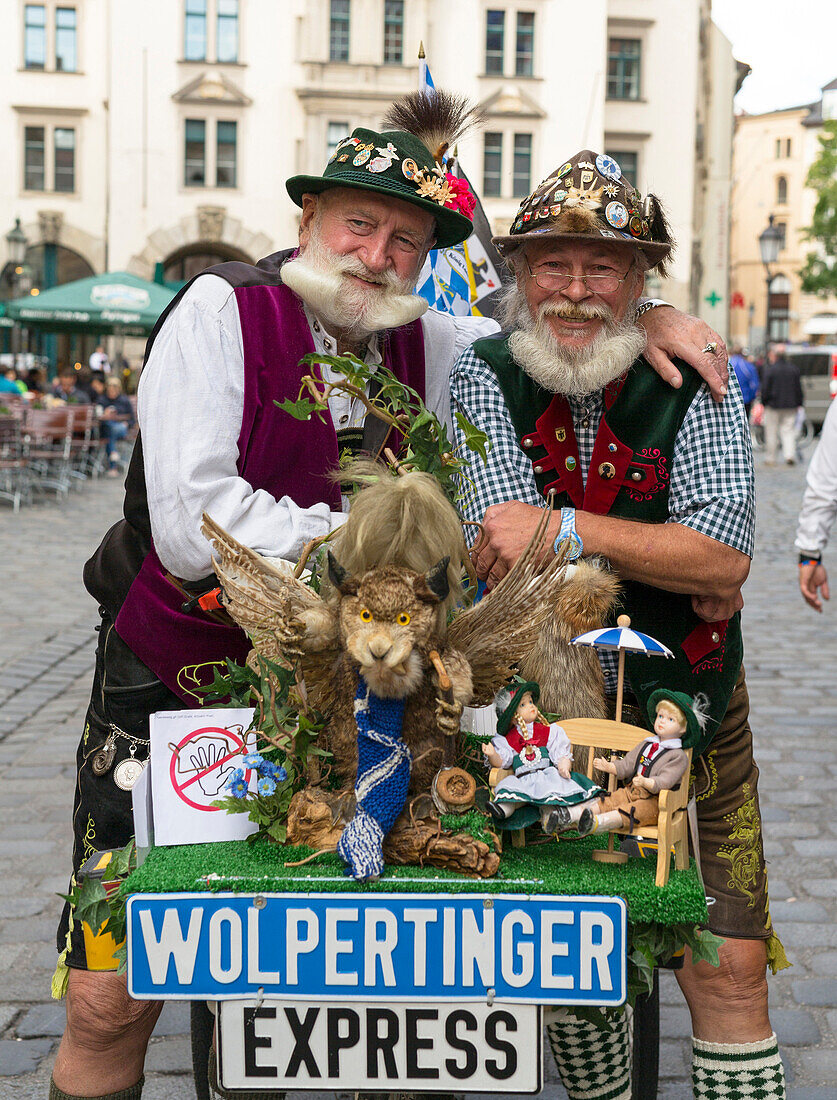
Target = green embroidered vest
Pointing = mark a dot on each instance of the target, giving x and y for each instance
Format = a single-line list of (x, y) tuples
[(629, 478)]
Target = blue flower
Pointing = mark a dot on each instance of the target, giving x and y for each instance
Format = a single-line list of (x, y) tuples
[(266, 786), (237, 774), (237, 788), (252, 760), (268, 768)]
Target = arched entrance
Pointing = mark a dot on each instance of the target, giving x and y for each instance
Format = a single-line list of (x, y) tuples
[(186, 262)]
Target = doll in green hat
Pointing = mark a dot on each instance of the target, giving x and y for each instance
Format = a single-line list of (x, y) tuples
[(655, 765), (540, 755)]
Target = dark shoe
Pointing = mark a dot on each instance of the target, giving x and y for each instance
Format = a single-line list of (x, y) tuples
[(586, 822), (557, 821), (496, 811)]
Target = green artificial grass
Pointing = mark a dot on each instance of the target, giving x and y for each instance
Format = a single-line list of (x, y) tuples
[(562, 867)]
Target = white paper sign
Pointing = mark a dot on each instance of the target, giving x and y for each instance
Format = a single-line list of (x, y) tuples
[(193, 755)]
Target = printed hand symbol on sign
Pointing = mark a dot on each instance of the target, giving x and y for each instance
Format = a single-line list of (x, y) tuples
[(208, 751)]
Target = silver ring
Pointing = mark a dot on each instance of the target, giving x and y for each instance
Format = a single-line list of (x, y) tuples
[(710, 348)]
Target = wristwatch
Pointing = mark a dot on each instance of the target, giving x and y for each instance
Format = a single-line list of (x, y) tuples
[(568, 531)]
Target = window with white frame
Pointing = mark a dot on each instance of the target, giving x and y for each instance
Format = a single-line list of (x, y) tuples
[(34, 36), (338, 31), (624, 56), (492, 164), (495, 36), (210, 152), (226, 41), (50, 37), (393, 32), (211, 30), (524, 50), (65, 40), (49, 157), (522, 166), (194, 36)]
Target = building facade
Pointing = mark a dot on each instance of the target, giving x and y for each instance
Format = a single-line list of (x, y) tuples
[(157, 137), (772, 155)]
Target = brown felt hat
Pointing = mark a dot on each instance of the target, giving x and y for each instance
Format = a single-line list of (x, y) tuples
[(589, 198)]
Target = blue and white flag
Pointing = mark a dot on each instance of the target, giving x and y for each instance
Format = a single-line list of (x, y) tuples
[(466, 278)]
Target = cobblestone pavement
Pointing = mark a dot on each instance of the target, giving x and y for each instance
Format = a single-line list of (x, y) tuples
[(46, 649)]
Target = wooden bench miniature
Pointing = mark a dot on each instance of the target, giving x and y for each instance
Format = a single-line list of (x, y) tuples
[(671, 831)]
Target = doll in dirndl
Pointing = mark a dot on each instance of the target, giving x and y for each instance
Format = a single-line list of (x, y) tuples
[(540, 755)]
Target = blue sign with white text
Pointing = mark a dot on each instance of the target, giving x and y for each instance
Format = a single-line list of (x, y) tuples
[(386, 947)]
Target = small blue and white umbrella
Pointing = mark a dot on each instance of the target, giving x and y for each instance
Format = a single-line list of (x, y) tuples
[(621, 639)]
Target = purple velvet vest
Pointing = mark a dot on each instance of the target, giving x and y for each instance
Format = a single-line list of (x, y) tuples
[(276, 453)]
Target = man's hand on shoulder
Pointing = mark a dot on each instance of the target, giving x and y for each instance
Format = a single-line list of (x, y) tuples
[(675, 335), (508, 527)]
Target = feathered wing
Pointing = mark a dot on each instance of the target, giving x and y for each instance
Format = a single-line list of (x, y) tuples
[(279, 613), (500, 630)]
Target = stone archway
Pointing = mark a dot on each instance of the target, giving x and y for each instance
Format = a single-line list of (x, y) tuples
[(210, 230)]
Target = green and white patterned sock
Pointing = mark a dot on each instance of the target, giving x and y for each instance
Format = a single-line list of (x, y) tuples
[(594, 1063), (737, 1071)]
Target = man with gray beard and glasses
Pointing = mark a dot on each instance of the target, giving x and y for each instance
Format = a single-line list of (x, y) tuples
[(659, 482), (213, 439)]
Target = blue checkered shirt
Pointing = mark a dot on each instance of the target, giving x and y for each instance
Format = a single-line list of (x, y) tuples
[(711, 486)]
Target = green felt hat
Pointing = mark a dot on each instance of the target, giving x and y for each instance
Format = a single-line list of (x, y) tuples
[(507, 701), (396, 164), (588, 198), (695, 719)]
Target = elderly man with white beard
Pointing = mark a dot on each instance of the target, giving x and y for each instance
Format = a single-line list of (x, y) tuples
[(213, 439), (659, 482)]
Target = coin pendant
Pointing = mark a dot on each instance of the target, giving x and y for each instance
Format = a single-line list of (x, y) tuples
[(103, 760), (127, 773)]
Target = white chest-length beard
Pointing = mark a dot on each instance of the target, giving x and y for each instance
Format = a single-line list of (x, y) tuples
[(318, 276), (568, 370)]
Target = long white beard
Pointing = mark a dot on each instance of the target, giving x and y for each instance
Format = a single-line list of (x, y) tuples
[(569, 370), (318, 276)]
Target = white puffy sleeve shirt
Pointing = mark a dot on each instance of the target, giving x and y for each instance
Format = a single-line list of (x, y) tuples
[(190, 408)]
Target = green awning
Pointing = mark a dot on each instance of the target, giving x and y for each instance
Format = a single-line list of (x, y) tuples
[(109, 304)]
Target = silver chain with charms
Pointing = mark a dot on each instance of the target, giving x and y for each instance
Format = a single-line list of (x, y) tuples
[(128, 771)]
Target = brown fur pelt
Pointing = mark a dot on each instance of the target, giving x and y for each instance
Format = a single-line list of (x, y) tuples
[(401, 520), (570, 677)]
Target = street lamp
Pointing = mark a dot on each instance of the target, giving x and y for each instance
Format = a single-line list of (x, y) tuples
[(18, 273), (17, 243), (770, 242)]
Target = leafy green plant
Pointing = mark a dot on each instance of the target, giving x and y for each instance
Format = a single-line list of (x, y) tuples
[(98, 902), (428, 447), (288, 754)]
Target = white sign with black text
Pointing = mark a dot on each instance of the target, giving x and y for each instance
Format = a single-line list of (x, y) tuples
[(431, 1047)]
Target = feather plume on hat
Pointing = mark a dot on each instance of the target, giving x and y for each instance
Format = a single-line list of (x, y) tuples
[(438, 119)]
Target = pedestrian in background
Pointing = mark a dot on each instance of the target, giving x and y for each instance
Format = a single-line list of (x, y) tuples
[(747, 375), (117, 418), (781, 394), (816, 518), (99, 362)]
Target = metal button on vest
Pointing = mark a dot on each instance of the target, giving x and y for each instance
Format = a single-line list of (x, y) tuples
[(570, 463), (607, 471), (637, 475), (527, 443), (716, 637), (611, 447), (539, 469)]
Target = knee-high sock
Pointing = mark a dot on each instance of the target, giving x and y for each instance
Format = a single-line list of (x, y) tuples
[(132, 1093), (594, 1063), (737, 1071)]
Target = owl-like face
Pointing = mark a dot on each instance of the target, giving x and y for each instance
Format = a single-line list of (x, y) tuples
[(386, 625)]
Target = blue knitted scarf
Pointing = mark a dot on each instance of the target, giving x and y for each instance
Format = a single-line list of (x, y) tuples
[(383, 775)]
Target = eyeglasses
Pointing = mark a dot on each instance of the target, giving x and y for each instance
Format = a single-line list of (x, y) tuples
[(548, 279)]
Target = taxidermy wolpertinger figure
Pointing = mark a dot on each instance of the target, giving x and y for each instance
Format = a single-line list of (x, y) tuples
[(363, 650)]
